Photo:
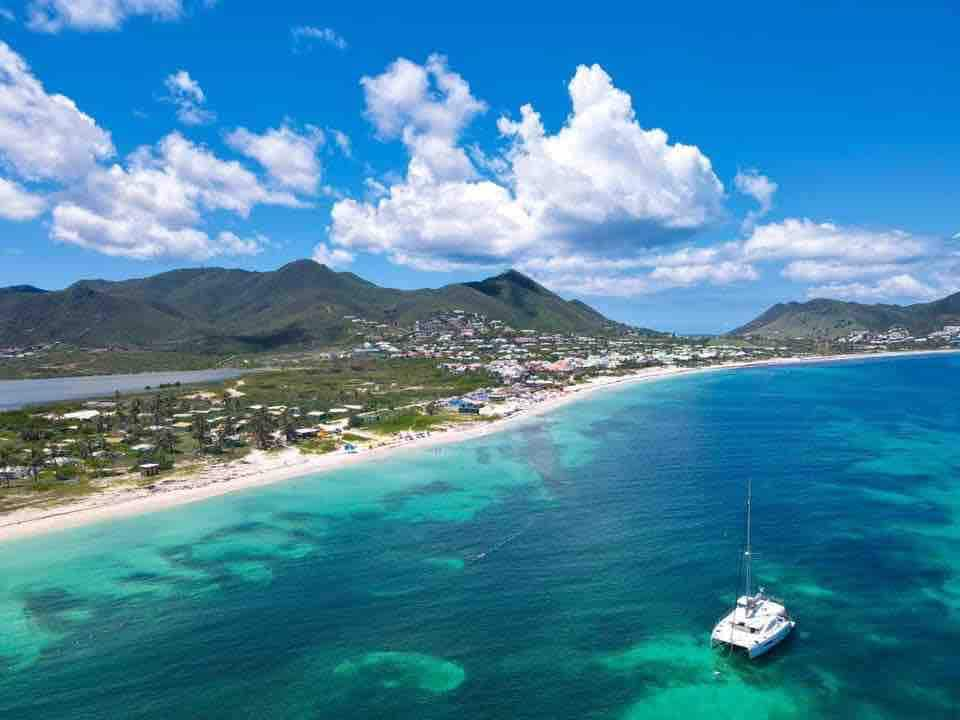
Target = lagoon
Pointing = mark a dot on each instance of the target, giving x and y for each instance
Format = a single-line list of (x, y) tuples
[(15, 394)]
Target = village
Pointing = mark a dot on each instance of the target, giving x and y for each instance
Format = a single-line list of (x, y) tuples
[(899, 337), (392, 386)]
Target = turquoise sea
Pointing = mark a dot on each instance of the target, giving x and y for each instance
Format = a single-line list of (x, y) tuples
[(572, 567)]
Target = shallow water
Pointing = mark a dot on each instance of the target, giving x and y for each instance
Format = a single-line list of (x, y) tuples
[(570, 568)]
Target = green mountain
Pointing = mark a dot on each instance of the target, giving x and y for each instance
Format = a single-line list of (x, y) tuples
[(827, 319), (302, 304)]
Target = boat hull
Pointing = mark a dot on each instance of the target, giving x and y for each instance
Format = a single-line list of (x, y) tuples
[(771, 642)]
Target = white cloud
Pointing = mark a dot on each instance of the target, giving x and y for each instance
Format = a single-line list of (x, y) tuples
[(289, 157), (605, 176), (44, 136), (600, 188), (16, 203), (833, 270), (231, 244), (721, 273), (150, 207), (304, 35), (426, 107), (52, 16), (760, 188), (186, 94), (896, 287), (343, 142), (905, 265), (590, 281), (331, 257), (640, 275), (794, 238)]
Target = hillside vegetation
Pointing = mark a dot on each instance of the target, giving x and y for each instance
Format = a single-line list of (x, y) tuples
[(303, 304), (828, 319)]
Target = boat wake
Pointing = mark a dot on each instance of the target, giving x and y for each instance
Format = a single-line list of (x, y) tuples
[(503, 543)]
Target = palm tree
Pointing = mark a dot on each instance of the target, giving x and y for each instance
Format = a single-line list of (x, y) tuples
[(94, 464), (133, 430), (121, 417), (6, 461), (261, 427), (36, 461), (229, 427), (136, 407), (83, 448), (66, 471), (156, 407), (166, 441), (31, 431), (201, 433), (289, 430)]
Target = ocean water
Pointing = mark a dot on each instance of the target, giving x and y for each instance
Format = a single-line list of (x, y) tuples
[(572, 567)]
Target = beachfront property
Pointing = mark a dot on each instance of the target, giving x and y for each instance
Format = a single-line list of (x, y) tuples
[(454, 367)]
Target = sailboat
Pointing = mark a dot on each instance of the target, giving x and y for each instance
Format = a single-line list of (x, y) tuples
[(758, 622)]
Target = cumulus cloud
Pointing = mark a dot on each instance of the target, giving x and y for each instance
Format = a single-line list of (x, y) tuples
[(229, 243), (604, 178), (52, 16), (150, 206), (895, 287), (289, 157), (833, 270), (885, 264), (331, 257), (643, 274), (305, 35), (600, 188), (186, 94), (804, 238), (426, 107), (16, 203), (43, 136), (759, 187), (590, 281), (720, 273)]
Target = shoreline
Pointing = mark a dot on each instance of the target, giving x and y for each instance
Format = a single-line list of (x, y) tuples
[(259, 468)]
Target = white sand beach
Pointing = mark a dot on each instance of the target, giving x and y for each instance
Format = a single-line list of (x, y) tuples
[(264, 468)]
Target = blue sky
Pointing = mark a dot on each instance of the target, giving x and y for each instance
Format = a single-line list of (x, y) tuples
[(679, 167)]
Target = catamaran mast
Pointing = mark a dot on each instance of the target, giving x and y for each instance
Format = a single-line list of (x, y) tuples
[(746, 554)]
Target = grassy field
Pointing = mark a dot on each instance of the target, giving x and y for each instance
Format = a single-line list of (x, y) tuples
[(372, 385), (412, 422)]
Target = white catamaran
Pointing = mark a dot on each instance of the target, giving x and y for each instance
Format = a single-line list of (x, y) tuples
[(758, 622)]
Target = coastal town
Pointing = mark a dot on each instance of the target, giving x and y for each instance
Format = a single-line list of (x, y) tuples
[(453, 374)]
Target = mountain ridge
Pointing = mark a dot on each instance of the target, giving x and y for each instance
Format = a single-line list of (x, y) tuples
[(823, 318), (302, 303)]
